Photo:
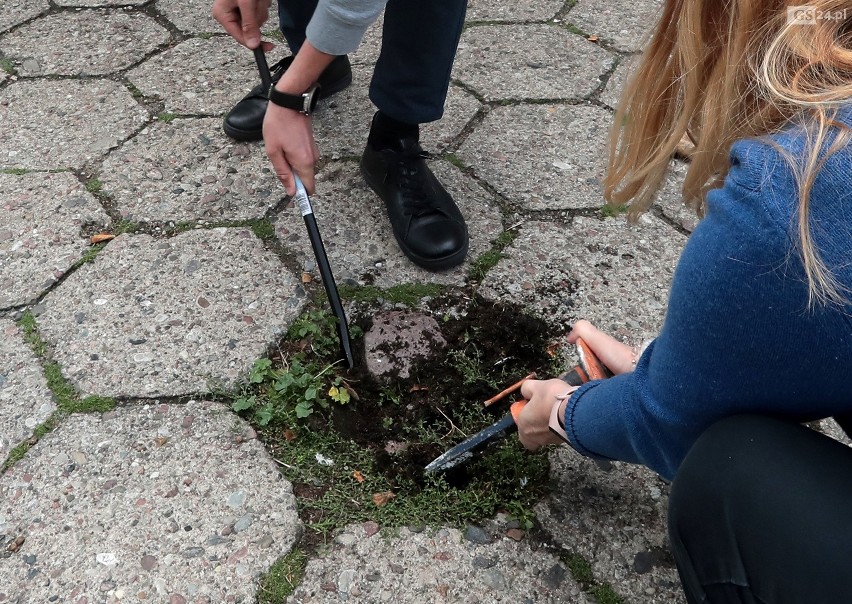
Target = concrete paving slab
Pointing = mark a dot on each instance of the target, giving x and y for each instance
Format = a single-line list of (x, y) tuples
[(188, 170), (626, 27), (342, 123), (358, 238), (193, 16), (15, 12), (542, 157), (670, 198), (617, 82), (198, 76), (368, 51), (99, 3), (25, 400), (40, 236), (154, 503), (67, 127), (172, 316), (614, 515), (552, 63), (526, 10), (83, 43), (432, 567), (611, 272)]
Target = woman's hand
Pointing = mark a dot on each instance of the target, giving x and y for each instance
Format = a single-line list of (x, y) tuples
[(616, 356), (534, 421)]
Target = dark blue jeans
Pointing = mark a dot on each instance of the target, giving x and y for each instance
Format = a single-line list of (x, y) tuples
[(761, 512), (419, 42)]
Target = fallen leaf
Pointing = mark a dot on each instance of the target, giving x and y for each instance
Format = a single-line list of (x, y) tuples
[(101, 237), (516, 534), (289, 435), (307, 278), (358, 476), (553, 349), (351, 391), (161, 440), (592, 38), (381, 499)]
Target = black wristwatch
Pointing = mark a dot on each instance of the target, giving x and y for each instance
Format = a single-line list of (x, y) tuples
[(303, 103)]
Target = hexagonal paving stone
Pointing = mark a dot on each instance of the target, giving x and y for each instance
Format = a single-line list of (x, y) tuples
[(614, 515), (172, 316), (13, 12), (188, 170), (154, 503), (357, 236), (433, 566), (617, 81), (499, 10), (193, 16), (342, 123), (542, 156), (40, 234), (99, 3), (551, 64), (25, 400), (45, 127), (626, 27), (82, 43), (198, 76), (613, 273)]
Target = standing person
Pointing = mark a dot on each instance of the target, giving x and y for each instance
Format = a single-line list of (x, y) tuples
[(409, 87), (759, 318)]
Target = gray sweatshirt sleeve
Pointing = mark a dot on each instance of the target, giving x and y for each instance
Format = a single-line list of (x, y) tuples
[(338, 26)]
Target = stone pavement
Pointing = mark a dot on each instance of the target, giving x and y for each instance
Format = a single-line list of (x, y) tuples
[(110, 114)]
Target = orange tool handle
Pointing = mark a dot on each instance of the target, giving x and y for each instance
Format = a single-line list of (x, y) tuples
[(516, 408)]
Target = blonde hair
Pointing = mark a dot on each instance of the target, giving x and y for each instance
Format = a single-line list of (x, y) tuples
[(723, 70)]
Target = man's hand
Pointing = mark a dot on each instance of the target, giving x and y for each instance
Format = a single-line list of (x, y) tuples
[(534, 421), (242, 20), (290, 145)]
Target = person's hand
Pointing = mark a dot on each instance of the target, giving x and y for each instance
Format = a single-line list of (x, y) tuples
[(534, 421), (242, 20), (616, 356), (290, 145)]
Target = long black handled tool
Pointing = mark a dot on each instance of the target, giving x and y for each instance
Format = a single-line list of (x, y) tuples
[(304, 203), (307, 210)]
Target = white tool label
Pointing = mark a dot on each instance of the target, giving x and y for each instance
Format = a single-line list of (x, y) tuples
[(304, 203)]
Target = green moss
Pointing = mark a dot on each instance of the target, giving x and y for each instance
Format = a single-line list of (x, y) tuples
[(91, 253), (581, 570), (166, 117), (454, 159), (409, 294), (124, 226), (15, 171), (488, 260), (262, 228)]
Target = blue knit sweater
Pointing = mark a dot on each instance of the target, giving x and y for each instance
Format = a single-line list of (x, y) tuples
[(738, 336)]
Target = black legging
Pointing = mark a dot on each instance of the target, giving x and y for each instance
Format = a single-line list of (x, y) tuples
[(761, 512)]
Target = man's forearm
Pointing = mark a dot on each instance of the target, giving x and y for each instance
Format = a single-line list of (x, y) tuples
[(305, 70)]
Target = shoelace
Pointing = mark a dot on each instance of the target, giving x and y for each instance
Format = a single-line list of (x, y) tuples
[(417, 203)]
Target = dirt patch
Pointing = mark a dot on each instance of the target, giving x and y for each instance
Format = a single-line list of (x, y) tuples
[(408, 421)]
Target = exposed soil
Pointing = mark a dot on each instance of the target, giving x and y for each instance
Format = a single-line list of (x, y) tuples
[(488, 348)]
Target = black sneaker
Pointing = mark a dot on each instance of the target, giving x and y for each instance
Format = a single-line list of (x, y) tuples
[(245, 121), (425, 220)]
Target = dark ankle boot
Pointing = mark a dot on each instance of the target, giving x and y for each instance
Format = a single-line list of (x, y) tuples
[(245, 121)]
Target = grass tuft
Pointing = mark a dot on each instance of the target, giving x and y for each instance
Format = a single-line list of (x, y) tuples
[(15, 171), (166, 117), (611, 211), (282, 578), (7, 66), (94, 186), (581, 570)]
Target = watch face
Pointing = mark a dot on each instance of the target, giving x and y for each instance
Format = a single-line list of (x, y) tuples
[(311, 99)]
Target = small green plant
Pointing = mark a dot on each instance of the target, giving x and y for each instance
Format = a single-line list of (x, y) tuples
[(91, 253), (15, 171), (611, 211), (124, 226), (94, 186), (7, 66), (581, 570), (166, 117), (263, 229), (206, 35), (282, 578)]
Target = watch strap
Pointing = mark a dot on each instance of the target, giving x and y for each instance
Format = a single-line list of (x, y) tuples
[(303, 103), (555, 423)]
